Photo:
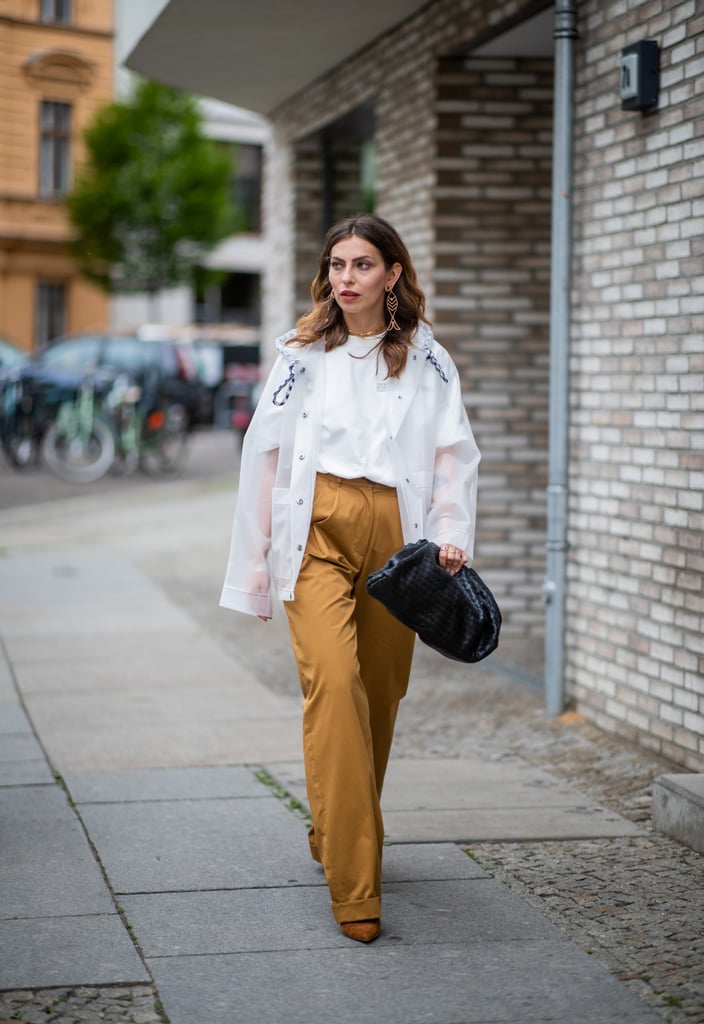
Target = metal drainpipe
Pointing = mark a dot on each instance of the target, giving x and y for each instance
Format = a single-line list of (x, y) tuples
[(554, 588)]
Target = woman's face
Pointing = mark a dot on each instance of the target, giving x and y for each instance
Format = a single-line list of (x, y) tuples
[(359, 280)]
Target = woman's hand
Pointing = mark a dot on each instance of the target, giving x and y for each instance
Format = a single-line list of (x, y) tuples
[(451, 558)]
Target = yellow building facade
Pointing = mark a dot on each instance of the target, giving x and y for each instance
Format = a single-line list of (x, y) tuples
[(56, 70)]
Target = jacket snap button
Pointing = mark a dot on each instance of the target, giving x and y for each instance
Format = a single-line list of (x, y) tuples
[(300, 547), (299, 501), (301, 456), (305, 415)]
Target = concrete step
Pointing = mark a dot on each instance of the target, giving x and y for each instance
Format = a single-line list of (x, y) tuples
[(678, 808)]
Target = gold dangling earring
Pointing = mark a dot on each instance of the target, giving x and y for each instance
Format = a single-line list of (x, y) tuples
[(392, 308)]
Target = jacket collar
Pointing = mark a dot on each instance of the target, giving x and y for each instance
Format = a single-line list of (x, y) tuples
[(400, 398)]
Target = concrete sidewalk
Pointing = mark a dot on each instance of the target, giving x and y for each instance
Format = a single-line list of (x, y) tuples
[(150, 777)]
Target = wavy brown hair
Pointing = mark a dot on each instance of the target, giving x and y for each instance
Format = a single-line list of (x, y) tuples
[(326, 319)]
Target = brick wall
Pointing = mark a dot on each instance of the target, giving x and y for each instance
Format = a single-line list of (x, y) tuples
[(492, 300), (397, 75), (635, 600), (498, 337), (308, 211)]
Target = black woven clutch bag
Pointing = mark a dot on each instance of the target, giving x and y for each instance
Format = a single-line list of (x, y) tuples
[(456, 615)]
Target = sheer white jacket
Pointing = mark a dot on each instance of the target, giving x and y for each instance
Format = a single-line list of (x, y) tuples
[(429, 437)]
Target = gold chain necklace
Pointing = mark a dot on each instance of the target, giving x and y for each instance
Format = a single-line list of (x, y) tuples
[(367, 334)]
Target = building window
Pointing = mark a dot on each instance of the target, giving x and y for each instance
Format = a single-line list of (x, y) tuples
[(54, 148), (57, 11), (349, 166), (246, 185), (51, 312), (227, 297)]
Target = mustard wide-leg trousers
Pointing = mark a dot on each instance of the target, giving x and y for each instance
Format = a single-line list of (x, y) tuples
[(354, 660)]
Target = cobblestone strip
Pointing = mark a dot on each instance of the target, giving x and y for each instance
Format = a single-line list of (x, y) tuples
[(635, 904), (82, 1005)]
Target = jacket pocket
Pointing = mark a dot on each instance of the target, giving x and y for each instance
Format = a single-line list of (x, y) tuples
[(281, 555), (422, 482)]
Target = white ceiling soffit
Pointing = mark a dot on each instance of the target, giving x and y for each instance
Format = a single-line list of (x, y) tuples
[(532, 38), (257, 53)]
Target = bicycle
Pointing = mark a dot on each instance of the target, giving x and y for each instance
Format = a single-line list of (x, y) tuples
[(17, 428), (147, 433), (28, 402), (122, 408), (79, 446)]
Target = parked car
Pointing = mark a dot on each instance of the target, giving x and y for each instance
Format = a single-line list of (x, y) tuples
[(165, 364)]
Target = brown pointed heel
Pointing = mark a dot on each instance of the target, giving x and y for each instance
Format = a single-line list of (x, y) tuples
[(362, 931)]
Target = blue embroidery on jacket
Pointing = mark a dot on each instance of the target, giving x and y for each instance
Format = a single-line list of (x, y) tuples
[(286, 386), (434, 362)]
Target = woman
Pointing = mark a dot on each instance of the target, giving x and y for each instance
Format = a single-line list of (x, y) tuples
[(360, 443)]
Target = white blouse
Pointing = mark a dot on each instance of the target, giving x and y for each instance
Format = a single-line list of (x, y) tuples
[(353, 434)]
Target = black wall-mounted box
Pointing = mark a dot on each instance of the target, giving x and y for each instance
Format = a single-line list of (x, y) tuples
[(639, 70)]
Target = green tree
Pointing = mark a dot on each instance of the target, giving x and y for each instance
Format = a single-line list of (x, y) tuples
[(153, 196)]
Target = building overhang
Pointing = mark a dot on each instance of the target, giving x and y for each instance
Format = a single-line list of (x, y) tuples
[(257, 55)]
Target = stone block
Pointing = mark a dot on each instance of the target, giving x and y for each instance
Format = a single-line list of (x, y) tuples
[(678, 808), (68, 951), (143, 785), (200, 844), (47, 868), (517, 982)]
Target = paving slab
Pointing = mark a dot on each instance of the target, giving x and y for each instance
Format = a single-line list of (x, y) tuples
[(460, 911), (299, 916), (19, 746), (94, 616), (528, 982), (22, 761), (47, 868), (160, 663), (468, 800), (199, 844), (424, 784), (408, 862), (127, 708), (506, 824), (193, 923), (25, 772), (144, 648), (83, 592), (68, 951), (8, 693), (200, 782), (71, 577), (99, 742), (13, 720)]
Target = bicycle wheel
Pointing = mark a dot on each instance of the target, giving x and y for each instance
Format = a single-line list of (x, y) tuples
[(78, 460)]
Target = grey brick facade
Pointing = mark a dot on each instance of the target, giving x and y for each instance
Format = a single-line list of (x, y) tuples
[(463, 149)]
